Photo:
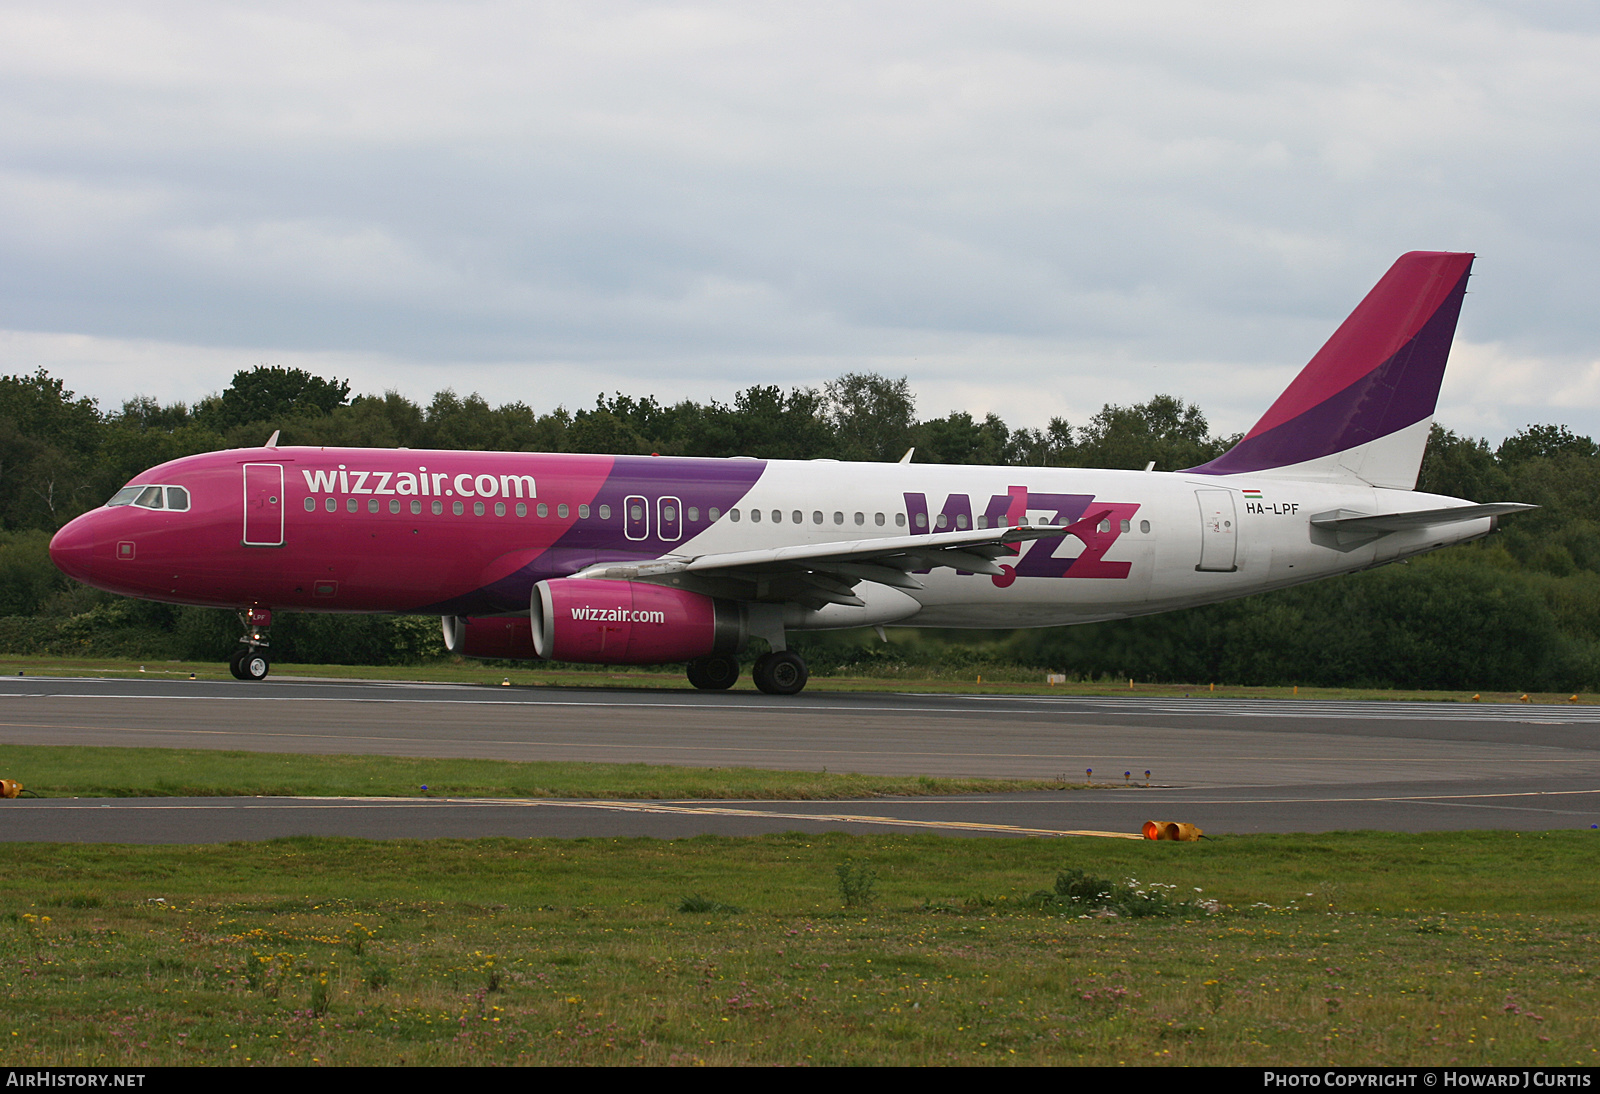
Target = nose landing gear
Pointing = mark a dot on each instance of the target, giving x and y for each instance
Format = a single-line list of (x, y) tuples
[(249, 665), (252, 662)]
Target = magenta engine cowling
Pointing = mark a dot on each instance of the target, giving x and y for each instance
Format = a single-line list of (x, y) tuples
[(502, 636), (631, 623)]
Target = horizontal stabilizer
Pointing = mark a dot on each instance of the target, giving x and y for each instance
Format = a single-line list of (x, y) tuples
[(1343, 520)]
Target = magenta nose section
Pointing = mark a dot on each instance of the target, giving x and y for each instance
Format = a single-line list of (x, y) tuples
[(72, 549)]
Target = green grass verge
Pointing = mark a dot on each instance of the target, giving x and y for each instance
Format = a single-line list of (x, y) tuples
[(57, 771), (1005, 682), (1353, 949)]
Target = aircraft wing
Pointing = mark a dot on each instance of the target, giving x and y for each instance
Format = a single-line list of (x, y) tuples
[(815, 574)]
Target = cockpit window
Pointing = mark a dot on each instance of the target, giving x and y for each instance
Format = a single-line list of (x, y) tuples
[(152, 497)]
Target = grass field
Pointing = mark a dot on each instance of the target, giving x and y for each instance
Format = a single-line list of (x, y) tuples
[(1007, 682), (1475, 948), (1471, 948), (68, 771)]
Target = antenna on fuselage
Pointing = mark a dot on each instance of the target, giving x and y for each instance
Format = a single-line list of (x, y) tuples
[(272, 441), (907, 457)]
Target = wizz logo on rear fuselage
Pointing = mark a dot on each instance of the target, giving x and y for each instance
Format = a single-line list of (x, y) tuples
[(1094, 524)]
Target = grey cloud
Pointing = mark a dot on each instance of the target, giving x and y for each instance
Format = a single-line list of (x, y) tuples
[(716, 194)]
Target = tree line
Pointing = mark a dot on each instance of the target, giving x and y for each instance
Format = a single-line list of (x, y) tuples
[(61, 455), (1520, 610)]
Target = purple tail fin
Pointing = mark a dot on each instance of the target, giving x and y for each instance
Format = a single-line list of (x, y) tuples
[(1360, 411)]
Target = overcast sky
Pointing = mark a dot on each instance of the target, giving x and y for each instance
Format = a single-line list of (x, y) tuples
[(1033, 209)]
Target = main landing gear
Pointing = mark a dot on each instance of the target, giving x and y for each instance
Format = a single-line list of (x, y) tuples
[(714, 673), (782, 673), (252, 662)]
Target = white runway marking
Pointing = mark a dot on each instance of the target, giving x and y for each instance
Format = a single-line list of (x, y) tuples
[(1058, 707)]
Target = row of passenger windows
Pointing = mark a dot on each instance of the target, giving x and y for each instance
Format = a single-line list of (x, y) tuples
[(479, 509), (459, 508), (941, 521), (636, 512), (798, 517)]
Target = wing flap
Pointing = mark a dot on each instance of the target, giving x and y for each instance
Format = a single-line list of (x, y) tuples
[(831, 570)]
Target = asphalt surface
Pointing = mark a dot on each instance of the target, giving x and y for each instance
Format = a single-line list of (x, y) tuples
[(1227, 765)]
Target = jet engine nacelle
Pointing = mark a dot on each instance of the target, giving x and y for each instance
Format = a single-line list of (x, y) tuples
[(631, 623), (509, 637)]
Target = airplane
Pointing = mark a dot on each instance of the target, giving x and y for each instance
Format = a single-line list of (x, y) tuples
[(632, 560)]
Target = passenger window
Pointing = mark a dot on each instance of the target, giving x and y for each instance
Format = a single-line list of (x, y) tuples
[(733, 515), (416, 508), (944, 521), (562, 510), (861, 518), (922, 520), (522, 509), (1144, 526), (816, 517), (1104, 526), (544, 510), (777, 517), (178, 498), (694, 512), (605, 512), (980, 522), (394, 505), (877, 518), (838, 518), (458, 508), (961, 521), (372, 505), (331, 505), (351, 505), (899, 520), (438, 507), (1127, 526), (583, 512), (499, 508), (799, 517), (311, 505), (477, 508), (712, 515), (755, 515)]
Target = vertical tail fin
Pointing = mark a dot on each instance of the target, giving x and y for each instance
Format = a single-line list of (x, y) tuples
[(1360, 411)]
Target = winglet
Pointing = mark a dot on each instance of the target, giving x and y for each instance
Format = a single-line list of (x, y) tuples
[(1360, 410)]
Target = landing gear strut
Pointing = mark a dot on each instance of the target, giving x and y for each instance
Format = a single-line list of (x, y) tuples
[(252, 662), (780, 673), (713, 673)]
